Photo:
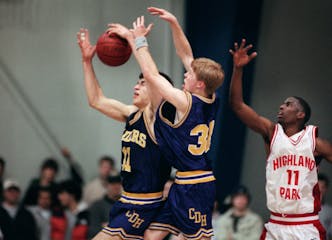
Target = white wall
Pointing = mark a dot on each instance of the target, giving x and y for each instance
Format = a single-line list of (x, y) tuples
[(38, 47), (294, 58)]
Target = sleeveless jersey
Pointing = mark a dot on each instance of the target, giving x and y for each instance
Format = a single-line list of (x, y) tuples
[(143, 167), (291, 173), (186, 143)]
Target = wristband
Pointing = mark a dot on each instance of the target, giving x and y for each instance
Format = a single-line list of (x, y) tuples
[(141, 42)]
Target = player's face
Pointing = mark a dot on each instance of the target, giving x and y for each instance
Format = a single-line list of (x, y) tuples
[(190, 81), (141, 97), (289, 111)]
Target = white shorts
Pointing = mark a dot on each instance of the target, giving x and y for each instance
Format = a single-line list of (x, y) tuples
[(307, 231)]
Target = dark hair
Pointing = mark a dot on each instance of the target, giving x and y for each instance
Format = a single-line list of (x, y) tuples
[(72, 188), (168, 78), (50, 163), (2, 162), (306, 108), (108, 159), (241, 190), (44, 189), (324, 178), (114, 179)]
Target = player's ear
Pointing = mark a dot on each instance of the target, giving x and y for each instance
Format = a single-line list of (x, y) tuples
[(300, 115), (200, 84)]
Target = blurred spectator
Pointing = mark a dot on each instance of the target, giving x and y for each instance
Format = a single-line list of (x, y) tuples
[(48, 171), (239, 222), (2, 173), (325, 214), (215, 217), (75, 168), (99, 210), (15, 222), (72, 222), (42, 213), (96, 189)]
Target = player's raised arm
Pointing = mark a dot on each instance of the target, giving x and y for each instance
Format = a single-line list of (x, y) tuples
[(158, 84), (96, 98), (247, 115), (181, 43)]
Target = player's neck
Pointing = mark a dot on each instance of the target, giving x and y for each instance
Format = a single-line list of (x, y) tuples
[(290, 130), (202, 93)]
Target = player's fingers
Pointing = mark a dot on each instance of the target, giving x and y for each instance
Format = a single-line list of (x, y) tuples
[(87, 35), (243, 43), (231, 51), (142, 20), (253, 55), (148, 29), (236, 46), (248, 47), (138, 21)]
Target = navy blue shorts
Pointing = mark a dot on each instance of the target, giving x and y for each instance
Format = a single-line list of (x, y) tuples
[(129, 221), (188, 209)]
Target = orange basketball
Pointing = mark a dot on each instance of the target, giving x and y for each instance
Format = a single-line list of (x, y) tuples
[(113, 50)]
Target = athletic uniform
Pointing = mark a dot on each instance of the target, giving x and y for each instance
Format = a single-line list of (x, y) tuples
[(185, 144), (292, 191), (144, 172)]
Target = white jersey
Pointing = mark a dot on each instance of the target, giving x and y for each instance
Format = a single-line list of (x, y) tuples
[(291, 173)]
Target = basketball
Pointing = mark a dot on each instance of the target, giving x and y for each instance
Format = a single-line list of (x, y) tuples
[(113, 50)]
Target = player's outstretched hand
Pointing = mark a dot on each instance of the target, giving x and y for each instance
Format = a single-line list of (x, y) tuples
[(119, 29), (83, 40), (240, 54), (139, 29), (163, 14)]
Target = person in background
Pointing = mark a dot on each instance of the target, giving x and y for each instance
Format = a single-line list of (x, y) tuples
[(48, 172), (325, 214), (96, 189), (70, 222), (16, 222), (2, 173), (99, 210), (42, 213), (75, 169), (239, 222)]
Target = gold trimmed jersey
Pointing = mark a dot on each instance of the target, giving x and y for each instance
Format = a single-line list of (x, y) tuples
[(185, 143), (143, 167)]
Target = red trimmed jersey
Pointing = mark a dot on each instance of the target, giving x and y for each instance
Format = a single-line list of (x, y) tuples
[(291, 173)]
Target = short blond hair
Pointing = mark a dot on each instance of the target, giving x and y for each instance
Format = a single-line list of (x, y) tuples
[(210, 72)]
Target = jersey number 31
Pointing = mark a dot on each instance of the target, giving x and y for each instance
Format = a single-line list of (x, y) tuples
[(204, 133)]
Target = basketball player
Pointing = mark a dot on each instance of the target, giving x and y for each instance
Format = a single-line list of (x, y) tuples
[(184, 136), (293, 150), (143, 170)]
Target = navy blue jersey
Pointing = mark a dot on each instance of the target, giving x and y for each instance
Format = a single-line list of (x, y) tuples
[(185, 143), (143, 167)]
